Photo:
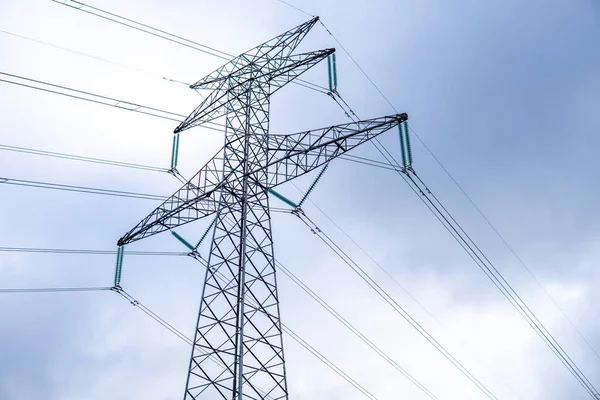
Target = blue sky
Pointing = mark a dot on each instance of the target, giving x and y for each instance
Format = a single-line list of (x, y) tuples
[(506, 95)]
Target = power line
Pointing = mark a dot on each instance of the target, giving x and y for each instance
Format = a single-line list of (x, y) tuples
[(81, 189), (54, 290), (143, 28), (92, 57), (519, 305), (89, 251), (490, 271), (296, 8), (329, 363), (354, 330), (392, 302), (507, 290), (387, 271), (99, 99), (80, 158), (540, 329), (66, 156), (510, 248), (167, 36)]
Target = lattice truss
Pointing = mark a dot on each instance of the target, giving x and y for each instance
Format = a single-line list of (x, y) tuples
[(238, 347)]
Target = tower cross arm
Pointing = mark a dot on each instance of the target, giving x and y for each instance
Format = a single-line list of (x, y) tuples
[(274, 73), (273, 50), (197, 198), (293, 155)]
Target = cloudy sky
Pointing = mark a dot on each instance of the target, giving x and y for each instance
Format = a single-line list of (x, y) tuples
[(506, 95)]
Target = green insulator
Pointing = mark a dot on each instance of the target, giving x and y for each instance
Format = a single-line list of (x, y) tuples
[(182, 240), (283, 198), (176, 151), (311, 187), (334, 71), (329, 72), (408, 150), (119, 265), (206, 232), (173, 151), (401, 135)]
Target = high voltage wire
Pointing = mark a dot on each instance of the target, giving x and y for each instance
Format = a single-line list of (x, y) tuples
[(166, 35), (90, 190), (81, 189), (86, 8), (388, 273), (493, 274), (381, 267), (92, 57), (437, 160), (98, 99), (352, 115), (330, 364), (66, 156), (548, 339), (511, 249), (89, 251), (392, 302), (508, 291), (81, 158), (354, 330), (54, 290)]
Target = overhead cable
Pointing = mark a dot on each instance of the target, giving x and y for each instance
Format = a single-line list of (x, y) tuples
[(394, 304), (54, 290), (89, 251), (81, 158), (77, 5), (92, 57), (82, 189), (98, 99)]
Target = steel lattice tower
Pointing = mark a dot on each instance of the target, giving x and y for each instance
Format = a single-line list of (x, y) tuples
[(238, 325)]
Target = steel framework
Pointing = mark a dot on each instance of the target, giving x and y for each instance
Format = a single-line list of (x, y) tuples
[(238, 325)]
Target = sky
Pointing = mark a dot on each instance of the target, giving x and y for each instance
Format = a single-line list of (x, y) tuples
[(504, 94)]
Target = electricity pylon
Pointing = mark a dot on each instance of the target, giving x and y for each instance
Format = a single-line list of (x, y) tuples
[(238, 348)]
